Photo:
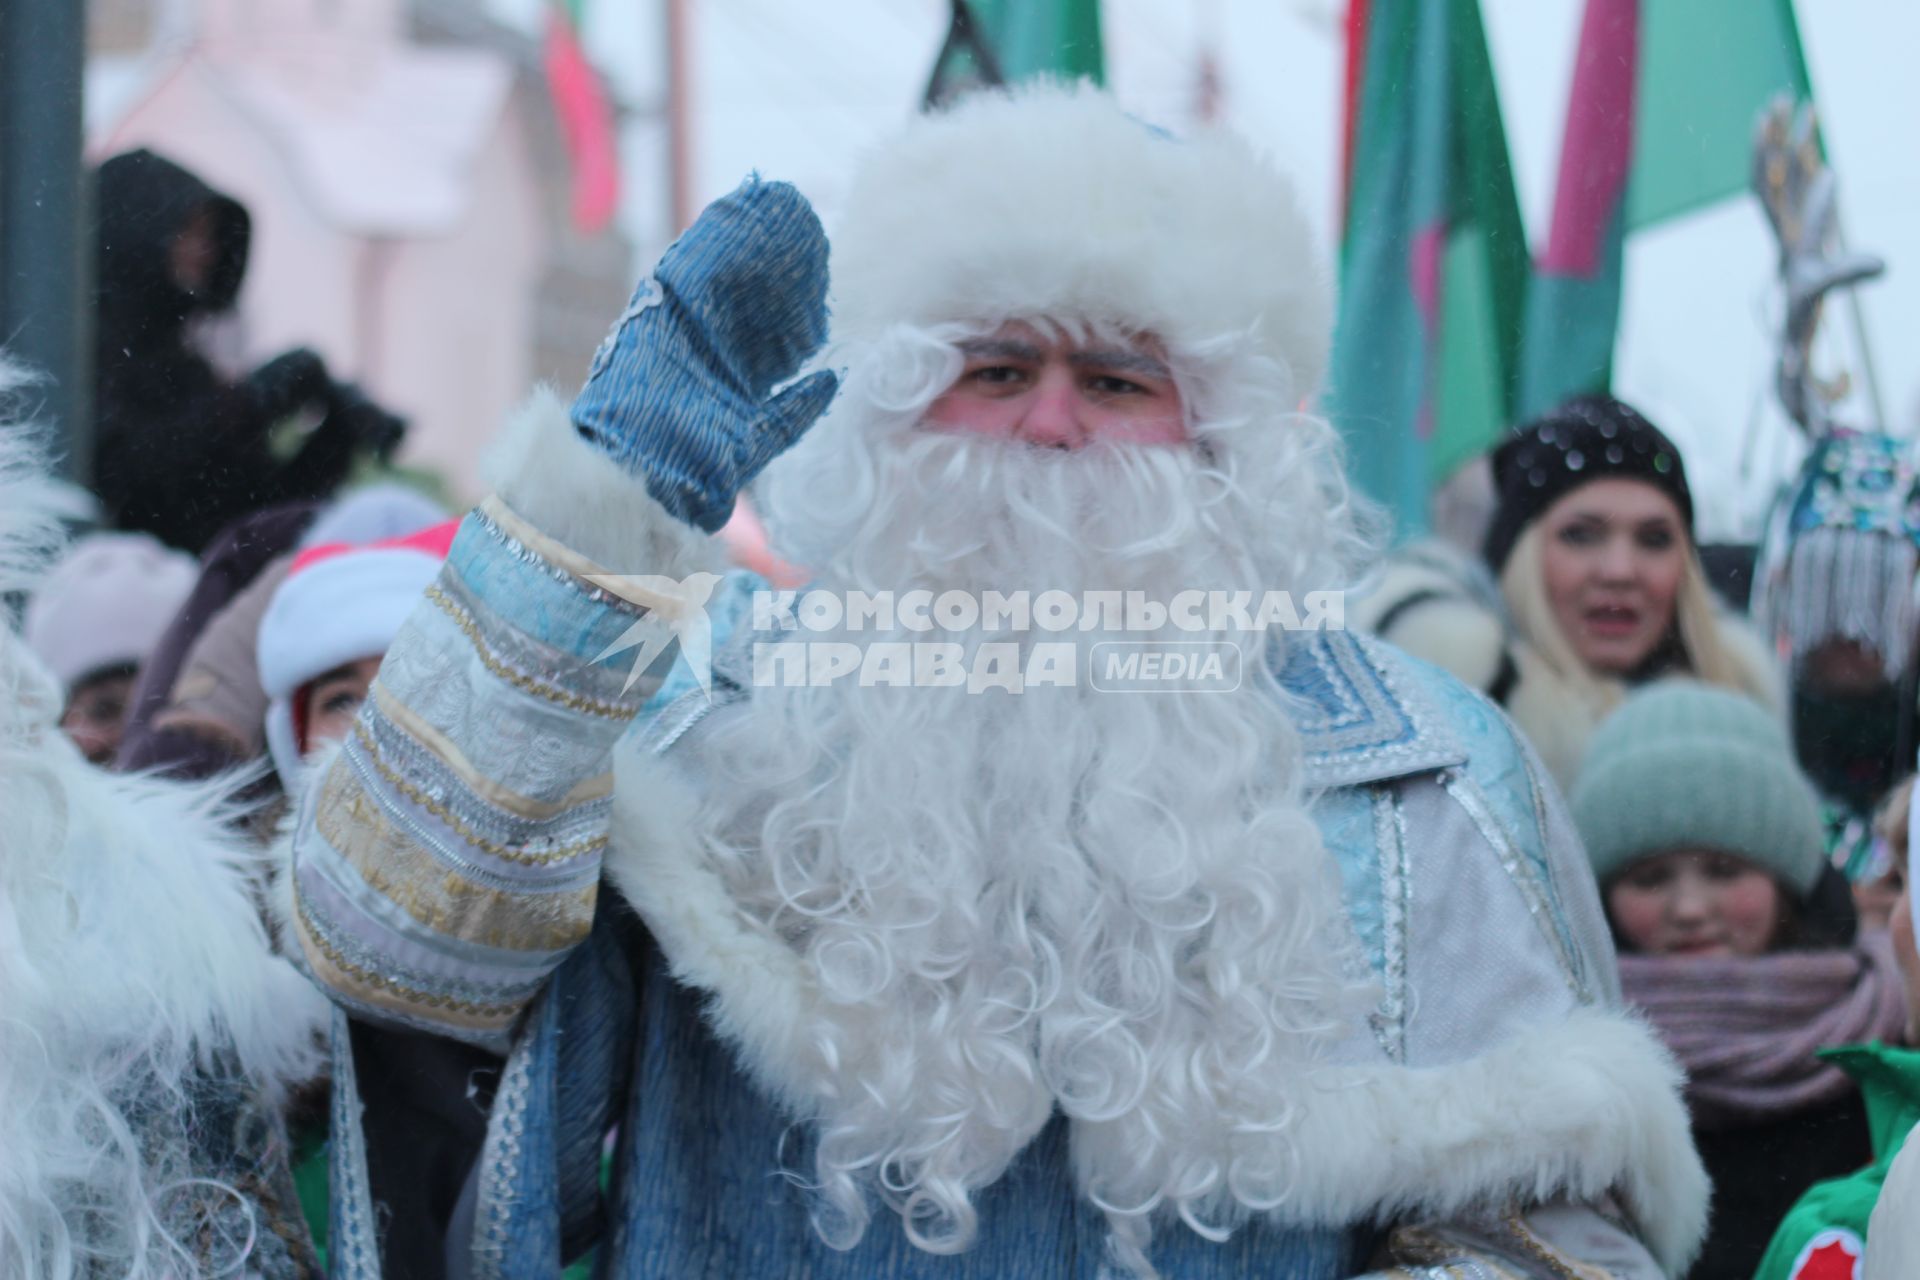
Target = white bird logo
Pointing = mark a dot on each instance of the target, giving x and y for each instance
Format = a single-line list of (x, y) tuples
[(676, 608)]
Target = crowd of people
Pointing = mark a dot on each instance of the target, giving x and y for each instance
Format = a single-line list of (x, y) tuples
[(363, 913)]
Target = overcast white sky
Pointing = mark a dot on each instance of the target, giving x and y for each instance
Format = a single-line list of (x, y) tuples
[(798, 90)]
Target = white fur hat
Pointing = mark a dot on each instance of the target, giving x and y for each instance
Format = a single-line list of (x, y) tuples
[(1051, 201), (338, 604), (107, 603)]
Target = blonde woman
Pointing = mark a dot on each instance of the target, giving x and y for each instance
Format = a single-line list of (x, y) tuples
[(1594, 584)]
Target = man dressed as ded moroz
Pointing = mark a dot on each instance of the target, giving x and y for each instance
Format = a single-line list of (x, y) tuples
[(1296, 980)]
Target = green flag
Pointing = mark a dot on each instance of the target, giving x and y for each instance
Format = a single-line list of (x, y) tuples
[(1044, 37), (992, 42), (1433, 259), (1660, 121), (1707, 70)]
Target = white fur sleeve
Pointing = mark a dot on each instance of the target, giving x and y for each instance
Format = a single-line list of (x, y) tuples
[(580, 498)]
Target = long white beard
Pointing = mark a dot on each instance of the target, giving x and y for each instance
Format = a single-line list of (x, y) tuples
[(1112, 904)]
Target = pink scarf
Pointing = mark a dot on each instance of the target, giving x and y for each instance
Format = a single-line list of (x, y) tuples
[(1745, 1029)]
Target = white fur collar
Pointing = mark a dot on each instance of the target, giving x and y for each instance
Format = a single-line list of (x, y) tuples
[(147, 916)]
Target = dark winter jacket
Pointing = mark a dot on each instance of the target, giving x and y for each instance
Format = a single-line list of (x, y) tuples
[(1759, 1171), (180, 450)]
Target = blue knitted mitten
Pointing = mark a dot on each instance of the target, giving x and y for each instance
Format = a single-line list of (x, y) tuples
[(679, 393)]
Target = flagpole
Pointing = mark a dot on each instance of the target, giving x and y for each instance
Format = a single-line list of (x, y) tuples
[(679, 131), (1865, 339)]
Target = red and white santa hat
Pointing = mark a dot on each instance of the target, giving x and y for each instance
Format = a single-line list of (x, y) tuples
[(339, 603)]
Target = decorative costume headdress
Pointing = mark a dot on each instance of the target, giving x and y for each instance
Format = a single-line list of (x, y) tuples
[(1838, 563)]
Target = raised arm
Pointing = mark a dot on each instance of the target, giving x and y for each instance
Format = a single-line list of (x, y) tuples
[(448, 857)]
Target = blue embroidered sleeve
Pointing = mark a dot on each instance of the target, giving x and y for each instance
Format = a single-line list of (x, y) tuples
[(448, 858)]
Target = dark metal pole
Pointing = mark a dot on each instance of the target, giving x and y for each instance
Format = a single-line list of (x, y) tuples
[(951, 77), (46, 250)]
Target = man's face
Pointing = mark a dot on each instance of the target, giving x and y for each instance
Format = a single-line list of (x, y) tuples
[(1063, 392)]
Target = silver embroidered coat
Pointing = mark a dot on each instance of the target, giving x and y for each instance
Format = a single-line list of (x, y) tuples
[(1496, 1110)]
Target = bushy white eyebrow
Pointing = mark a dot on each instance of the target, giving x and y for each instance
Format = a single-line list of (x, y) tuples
[(1122, 362), (1115, 359), (1001, 348)]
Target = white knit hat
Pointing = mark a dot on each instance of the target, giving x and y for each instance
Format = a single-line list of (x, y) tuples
[(338, 604), (1051, 201), (106, 604)]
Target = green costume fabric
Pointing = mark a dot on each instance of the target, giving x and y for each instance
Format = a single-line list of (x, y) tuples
[(310, 1183), (1822, 1237)]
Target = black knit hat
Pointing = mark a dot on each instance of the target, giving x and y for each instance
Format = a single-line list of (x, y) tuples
[(1587, 438)]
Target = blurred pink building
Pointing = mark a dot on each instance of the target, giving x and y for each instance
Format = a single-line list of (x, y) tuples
[(408, 200)]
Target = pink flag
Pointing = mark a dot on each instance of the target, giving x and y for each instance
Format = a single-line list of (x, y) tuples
[(586, 122)]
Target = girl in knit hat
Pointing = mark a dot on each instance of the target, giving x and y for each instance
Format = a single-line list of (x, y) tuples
[(95, 619), (1738, 945), (1591, 584)]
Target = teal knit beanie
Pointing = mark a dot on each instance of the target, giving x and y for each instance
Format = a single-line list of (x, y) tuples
[(1685, 765)]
